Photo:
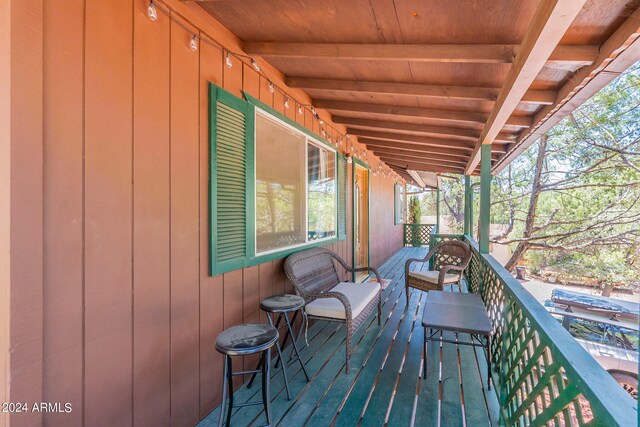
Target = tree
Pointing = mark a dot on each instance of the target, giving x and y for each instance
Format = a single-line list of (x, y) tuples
[(415, 213), (574, 196)]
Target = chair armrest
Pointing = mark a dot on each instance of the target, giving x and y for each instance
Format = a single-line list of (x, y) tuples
[(333, 294), (370, 269), (407, 264)]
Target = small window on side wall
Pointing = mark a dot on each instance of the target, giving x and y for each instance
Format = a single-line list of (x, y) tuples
[(399, 205)]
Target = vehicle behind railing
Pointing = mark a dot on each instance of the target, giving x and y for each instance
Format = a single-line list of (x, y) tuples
[(542, 375), (418, 234)]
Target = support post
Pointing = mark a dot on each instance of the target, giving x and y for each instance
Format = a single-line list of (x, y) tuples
[(485, 197), (467, 204), (438, 207)]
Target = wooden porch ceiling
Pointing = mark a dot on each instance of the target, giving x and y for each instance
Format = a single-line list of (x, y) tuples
[(423, 83)]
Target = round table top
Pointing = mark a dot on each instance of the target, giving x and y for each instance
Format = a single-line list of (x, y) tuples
[(244, 339), (282, 303)]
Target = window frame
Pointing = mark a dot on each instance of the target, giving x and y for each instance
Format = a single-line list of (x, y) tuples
[(310, 138)]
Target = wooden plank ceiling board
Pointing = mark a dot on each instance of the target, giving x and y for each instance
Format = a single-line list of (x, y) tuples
[(423, 83)]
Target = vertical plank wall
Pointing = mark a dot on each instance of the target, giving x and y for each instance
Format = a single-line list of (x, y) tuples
[(129, 311)]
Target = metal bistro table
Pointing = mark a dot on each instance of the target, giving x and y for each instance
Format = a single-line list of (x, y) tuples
[(458, 313)]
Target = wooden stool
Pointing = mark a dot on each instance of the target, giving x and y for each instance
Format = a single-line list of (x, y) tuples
[(243, 340)]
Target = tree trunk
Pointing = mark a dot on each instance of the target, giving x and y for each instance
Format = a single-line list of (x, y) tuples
[(607, 289), (536, 186)]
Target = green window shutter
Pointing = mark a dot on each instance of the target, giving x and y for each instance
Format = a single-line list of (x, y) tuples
[(231, 181), (342, 197)]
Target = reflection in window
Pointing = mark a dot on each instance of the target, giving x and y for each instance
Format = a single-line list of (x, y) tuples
[(321, 192), (280, 185)]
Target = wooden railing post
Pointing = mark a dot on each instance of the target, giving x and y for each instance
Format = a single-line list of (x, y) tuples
[(485, 198)]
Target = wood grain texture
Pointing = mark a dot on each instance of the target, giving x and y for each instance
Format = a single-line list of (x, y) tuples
[(63, 199), (108, 213), (151, 220), (185, 274)]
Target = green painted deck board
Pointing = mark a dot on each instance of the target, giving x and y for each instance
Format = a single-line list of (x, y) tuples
[(372, 394)]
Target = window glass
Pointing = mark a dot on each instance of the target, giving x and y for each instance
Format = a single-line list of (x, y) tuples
[(280, 186), (321, 192)]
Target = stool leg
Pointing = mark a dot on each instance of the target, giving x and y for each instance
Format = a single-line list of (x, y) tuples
[(286, 335), (266, 385), (284, 367), (224, 390), (253, 377), (295, 346), (489, 362), (277, 326), (230, 382)]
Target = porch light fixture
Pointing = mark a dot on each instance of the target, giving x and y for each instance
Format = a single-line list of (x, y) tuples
[(349, 159), (255, 65), (286, 102), (152, 13), (272, 88), (300, 109), (193, 45), (227, 60)]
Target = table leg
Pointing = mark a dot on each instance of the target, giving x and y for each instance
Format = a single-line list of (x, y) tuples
[(424, 353), (489, 361)]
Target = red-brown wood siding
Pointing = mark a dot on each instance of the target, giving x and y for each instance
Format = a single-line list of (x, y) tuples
[(122, 322)]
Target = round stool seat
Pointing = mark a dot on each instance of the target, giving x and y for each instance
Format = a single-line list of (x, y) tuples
[(282, 303), (244, 339)]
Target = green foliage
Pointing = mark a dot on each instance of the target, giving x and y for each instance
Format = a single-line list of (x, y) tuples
[(415, 211), (587, 217)]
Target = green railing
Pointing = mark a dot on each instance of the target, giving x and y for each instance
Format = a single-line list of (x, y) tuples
[(418, 234), (542, 375)]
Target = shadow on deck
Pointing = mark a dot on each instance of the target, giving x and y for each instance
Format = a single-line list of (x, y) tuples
[(384, 386)]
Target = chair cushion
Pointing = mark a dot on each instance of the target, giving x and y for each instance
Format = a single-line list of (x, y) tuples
[(358, 294), (432, 276)]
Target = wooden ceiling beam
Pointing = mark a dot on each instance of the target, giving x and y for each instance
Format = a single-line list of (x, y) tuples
[(467, 134), (391, 88), (408, 157), (399, 110), (551, 20), (404, 111), (451, 133), (425, 167), (409, 149), (389, 136), (460, 53), (413, 89), (619, 52), (420, 140)]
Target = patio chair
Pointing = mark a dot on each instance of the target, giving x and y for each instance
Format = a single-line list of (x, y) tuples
[(315, 278), (451, 258)]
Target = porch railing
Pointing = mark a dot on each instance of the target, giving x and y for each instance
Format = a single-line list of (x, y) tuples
[(542, 375), (418, 234)]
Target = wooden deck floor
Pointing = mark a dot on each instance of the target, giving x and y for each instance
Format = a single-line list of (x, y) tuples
[(384, 386)]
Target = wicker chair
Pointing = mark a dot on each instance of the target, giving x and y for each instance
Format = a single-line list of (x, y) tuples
[(451, 259), (315, 278)]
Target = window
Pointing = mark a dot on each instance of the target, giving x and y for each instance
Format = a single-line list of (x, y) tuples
[(274, 186), (400, 205), (295, 204), (280, 186)]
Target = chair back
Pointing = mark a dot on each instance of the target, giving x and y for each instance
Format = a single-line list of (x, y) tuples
[(452, 252), (311, 271)]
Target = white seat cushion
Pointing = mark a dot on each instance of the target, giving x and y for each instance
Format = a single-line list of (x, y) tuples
[(432, 276), (358, 294)]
